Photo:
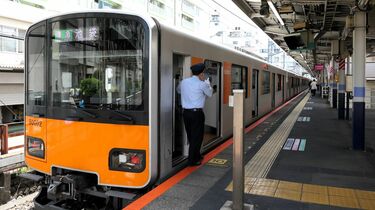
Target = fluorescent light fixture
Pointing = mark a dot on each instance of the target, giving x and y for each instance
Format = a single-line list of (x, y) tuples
[(274, 10)]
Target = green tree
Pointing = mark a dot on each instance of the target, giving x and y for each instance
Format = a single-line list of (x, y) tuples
[(90, 86)]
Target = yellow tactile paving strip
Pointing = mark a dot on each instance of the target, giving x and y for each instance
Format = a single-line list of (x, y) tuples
[(309, 193), (262, 161)]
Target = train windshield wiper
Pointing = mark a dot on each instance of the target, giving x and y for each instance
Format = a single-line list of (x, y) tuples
[(123, 116), (82, 110), (90, 114)]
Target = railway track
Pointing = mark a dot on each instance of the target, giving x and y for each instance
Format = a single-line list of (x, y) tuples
[(17, 192)]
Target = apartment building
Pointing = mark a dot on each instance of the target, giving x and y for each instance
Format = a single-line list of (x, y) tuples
[(15, 18)]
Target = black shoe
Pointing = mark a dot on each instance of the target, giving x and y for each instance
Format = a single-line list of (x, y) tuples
[(196, 163)]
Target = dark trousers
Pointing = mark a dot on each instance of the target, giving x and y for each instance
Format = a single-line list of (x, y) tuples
[(194, 125), (313, 91)]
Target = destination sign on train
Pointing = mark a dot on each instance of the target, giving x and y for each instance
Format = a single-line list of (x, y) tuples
[(78, 34)]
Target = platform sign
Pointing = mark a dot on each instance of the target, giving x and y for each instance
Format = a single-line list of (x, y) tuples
[(319, 67), (303, 119), (295, 145), (76, 35), (302, 145), (288, 144)]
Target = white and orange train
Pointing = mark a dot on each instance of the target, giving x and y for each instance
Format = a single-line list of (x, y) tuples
[(103, 117)]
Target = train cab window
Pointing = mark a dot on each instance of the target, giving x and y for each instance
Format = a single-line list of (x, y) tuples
[(266, 82), (239, 78), (279, 82), (98, 63), (36, 67)]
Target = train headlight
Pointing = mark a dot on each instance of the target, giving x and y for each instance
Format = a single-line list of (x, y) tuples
[(127, 160), (35, 147)]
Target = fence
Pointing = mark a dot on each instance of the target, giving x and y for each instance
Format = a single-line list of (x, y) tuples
[(9, 130)]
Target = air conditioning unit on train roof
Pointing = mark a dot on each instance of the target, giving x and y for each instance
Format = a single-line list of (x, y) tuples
[(303, 40)]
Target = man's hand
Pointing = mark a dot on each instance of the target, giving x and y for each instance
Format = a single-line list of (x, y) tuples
[(207, 81)]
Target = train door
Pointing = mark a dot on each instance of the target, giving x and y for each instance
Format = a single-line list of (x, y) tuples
[(273, 90), (36, 100), (212, 106), (179, 141), (254, 92), (283, 87)]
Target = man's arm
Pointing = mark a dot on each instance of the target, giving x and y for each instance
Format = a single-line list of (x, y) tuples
[(207, 89)]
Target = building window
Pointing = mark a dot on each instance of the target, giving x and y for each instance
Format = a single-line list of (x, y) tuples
[(10, 44), (21, 43), (187, 22), (234, 34), (266, 82), (189, 8), (248, 44), (239, 78), (235, 42), (108, 4), (247, 34), (215, 18)]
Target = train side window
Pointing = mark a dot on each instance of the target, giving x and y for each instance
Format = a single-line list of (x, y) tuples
[(266, 82), (239, 78), (279, 82)]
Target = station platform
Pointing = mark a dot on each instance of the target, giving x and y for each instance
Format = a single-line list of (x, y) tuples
[(297, 157)]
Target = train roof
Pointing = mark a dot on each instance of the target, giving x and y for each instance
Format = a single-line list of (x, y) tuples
[(150, 20)]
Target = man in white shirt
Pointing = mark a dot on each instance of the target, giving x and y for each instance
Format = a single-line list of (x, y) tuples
[(313, 87), (194, 91)]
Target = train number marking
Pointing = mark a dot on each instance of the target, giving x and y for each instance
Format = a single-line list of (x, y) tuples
[(36, 123)]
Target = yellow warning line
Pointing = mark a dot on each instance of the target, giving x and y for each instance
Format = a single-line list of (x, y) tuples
[(309, 193)]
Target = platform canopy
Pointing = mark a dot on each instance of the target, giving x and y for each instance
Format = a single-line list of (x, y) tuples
[(310, 30)]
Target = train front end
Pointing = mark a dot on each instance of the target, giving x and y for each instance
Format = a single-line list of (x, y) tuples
[(90, 124)]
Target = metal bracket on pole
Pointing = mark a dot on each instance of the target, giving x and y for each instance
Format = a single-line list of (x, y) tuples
[(238, 153)]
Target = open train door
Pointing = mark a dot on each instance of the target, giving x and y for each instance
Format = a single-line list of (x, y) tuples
[(212, 106), (181, 64)]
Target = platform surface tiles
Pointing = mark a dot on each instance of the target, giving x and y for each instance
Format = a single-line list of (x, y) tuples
[(295, 158)]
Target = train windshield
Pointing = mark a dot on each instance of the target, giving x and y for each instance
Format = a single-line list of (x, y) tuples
[(98, 63)]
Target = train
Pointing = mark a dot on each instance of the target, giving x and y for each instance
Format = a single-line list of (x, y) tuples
[(103, 119)]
